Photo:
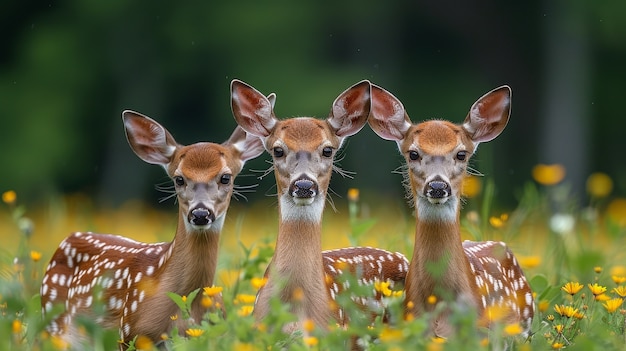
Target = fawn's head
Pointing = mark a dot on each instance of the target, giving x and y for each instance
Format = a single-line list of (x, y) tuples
[(303, 148), (203, 173), (437, 152)]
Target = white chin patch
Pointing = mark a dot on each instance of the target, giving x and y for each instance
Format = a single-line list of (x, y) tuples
[(437, 210), (301, 209), (303, 201)]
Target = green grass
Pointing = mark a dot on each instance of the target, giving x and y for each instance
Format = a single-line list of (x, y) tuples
[(555, 241)]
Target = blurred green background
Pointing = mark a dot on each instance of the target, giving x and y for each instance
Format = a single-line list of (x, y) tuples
[(68, 69)]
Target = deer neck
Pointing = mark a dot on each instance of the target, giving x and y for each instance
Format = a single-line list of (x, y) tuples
[(191, 259), (439, 266)]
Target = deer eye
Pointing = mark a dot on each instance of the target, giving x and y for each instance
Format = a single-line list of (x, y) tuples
[(461, 155), (179, 181), (414, 155), (279, 152), (225, 179), (327, 151)]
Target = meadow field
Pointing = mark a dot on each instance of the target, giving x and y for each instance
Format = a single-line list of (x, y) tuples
[(573, 255)]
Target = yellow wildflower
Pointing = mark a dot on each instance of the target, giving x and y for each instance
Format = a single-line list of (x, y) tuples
[(616, 211), (618, 271), (513, 329), (297, 294), (620, 290), (308, 325), (59, 343), (599, 184), (432, 299), (390, 334), (184, 298), (383, 287), (558, 345), (16, 326), (498, 222), (174, 317), (244, 346), (194, 332), (572, 288), (550, 317), (244, 299), (353, 194), (310, 341), (206, 302), (529, 262), (602, 297), (143, 342), (579, 315), (245, 310), (471, 186), (613, 304), (258, 283), (9, 197), (35, 256), (543, 305), (559, 328), (548, 174), (596, 289), (597, 269), (566, 311), (213, 290)]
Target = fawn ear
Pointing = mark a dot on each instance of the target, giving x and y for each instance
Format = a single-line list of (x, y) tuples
[(248, 145), (148, 139), (388, 118), (489, 115), (350, 110), (251, 109)]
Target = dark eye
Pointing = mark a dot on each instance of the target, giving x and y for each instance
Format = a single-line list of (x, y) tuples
[(461, 155), (279, 152), (327, 151), (179, 181), (414, 155), (225, 179)]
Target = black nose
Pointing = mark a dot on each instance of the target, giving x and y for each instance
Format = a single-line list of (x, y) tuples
[(304, 188), (437, 189), (201, 216)]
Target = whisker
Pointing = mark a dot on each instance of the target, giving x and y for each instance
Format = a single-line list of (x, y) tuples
[(330, 199), (342, 172), (265, 172), (165, 198), (474, 172)]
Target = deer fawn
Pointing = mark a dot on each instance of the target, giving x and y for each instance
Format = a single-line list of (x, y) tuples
[(303, 151), (483, 275), (134, 277)]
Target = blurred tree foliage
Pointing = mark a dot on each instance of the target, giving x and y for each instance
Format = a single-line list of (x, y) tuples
[(68, 69)]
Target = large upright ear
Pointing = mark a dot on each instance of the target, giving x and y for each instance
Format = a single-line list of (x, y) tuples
[(388, 118), (489, 115), (251, 109), (248, 145), (148, 139), (350, 110)]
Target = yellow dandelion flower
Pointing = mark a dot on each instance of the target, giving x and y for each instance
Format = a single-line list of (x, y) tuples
[(529, 262), (245, 310), (229, 277), (184, 298), (543, 305), (383, 287), (174, 317), (408, 317), (548, 174), (558, 345), (353, 194), (397, 293), (432, 299), (599, 184), (596, 289), (59, 343), (35, 256), (244, 299), (436, 344), (579, 315), (618, 279), (244, 346), (206, 302), (572, 288), (559, 328), (310, 341), (308, 325), (613, 304), (620, 290), (213, 290), (513, 329), (258, 283), (616, 211), (471, 186), (164, 336), (16, 326), (597, 269), (618, 271), (550, 317), (143, 342), (566, 311), (9, 197), (194, 332)]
